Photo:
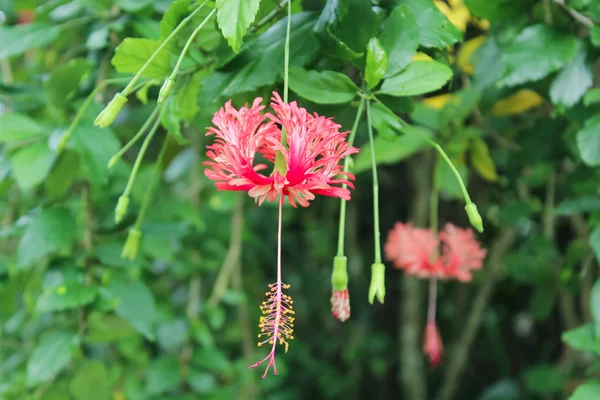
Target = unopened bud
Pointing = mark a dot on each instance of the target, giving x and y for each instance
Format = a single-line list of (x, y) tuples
[(339, 276), (165, 90), (377, 286), (121, 208), (474, 217), (110, 112), (132, 244)]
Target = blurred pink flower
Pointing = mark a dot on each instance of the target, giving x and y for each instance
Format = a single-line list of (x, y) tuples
[(314, 148), (340, 304), (417, 252), (433, 346)]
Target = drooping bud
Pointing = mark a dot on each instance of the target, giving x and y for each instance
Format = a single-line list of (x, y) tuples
[(377, 286), (474, 217), (340, 304), (110, 112), (339, 276), (432, 345), (165, 90), (121, 208), (132, 244)]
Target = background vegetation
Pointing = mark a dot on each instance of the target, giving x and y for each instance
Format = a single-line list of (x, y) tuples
[(519, 118)]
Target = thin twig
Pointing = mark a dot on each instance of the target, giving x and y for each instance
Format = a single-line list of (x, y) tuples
[(269, 16), (575, 14), (460, 349)]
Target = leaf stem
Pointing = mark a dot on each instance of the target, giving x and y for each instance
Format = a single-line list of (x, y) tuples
[(342, 224), (376, 232), (183, 23), (286, 65)]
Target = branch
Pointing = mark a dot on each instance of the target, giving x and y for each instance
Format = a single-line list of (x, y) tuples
[(460, 350), (575, 14)]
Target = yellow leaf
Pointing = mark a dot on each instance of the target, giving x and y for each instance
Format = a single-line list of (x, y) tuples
[(482, 161), (517, 103), (421, 57), (463, 60), (459, 14), (437, 102)]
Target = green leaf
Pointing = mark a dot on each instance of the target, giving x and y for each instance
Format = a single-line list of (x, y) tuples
[(595, 307), (260, 62), (400, 39), (595, 241), (535, 53), (376, 63), (543, 379), (136, 304), (163, 375), (595, 35), (63, 297), (170, 120), (326, 87), (172, 335), (388, 125), (17, 127), (582, 338), (91, 382), (499, 10), (541, 303), (50, 356), (133, 53), (107, 328), (482, 161), (573, 81), (420, 77), (31, 165), (95, 146), (18, 39), (133, 5), (591, 97), (49, 231), (504, 389), (64, 81), (392, 152), (577, 205), (588, 141), (187, 98), (588, 391), (61, 178), (434, 28), (211, 359), (337, 27), (201, 382), (235, 17)]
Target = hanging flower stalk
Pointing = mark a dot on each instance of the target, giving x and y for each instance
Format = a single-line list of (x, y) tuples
[(310, 152), (417, 251)]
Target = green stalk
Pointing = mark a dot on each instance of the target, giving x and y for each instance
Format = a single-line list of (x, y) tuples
[(433, 202), (164, 92), (181, 25), (376, 232), (342, 225)]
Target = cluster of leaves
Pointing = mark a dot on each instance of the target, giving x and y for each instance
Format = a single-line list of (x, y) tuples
[(506, 87)]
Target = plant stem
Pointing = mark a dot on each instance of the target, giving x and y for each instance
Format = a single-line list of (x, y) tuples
[(140, 156), (189, 43), (376, 232), (183, 23), (342, 224), (286, 65), (137, 137), (155, 179)]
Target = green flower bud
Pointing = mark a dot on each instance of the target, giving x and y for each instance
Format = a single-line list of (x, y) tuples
[(165, 90), (108, 115), (474, 217), (377, 286), (132, 245), (339, 276), (121, 208)]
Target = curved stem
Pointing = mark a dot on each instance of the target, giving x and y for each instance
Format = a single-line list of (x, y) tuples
[(183, 23), (189, 43), (140, 156), (376, 233), (137, 137), (431, 308), (152, 187), (342, 225)]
